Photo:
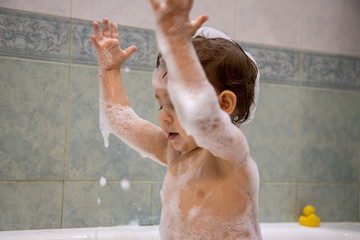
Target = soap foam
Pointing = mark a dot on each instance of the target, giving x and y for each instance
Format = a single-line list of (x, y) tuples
[(208, 226), (103, 120), (105, 59), (102, 181), (158, 80), (119, 120), (125, 184)]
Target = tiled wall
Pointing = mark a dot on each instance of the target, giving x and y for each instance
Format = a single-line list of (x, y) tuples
[(305, 136)]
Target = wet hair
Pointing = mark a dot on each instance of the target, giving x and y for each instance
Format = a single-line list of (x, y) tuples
[(228, 68)]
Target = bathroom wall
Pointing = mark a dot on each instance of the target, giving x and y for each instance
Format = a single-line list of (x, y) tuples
[(305, 136)]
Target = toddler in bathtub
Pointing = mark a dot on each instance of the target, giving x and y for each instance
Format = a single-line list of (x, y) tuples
[(205, 85)]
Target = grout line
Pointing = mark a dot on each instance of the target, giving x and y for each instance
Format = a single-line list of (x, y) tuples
[(151, 202), (299, 122), (29, 181), (358, 193), (67, 119)]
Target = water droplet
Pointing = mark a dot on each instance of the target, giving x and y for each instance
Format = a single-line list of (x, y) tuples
[(125, 184), (102, 181)]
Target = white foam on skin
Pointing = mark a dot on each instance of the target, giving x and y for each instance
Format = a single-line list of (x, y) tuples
[(158, 80), (199, 120), (119, 120), (212, 225), (104, 125)]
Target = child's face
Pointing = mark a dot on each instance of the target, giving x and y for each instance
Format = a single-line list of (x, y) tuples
[(169, 122)]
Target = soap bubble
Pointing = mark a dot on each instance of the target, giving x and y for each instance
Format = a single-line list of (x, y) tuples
[(125, 184), (102, 181)]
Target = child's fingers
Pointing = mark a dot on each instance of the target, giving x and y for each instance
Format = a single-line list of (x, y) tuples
[(114, 32), (95, 42), (105, 27), (130, 50), (97, 31), (196, 24), (155, 4)]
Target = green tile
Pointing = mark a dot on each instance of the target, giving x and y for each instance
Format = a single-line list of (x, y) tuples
[(329, 150), (277, 202), (87, 156), (138, 85), (158, 171), (272, 135), (331, 71), (144, 39), (156, 203), (359, 200), (92, 205), (32, 119), (331, 202), (277, 65), (30, 205), (34, 36)]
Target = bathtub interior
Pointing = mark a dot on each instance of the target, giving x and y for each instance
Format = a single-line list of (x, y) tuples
[(270, 231)]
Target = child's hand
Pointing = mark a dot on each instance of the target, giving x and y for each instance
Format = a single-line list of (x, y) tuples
[(110, 55), (173, 18)]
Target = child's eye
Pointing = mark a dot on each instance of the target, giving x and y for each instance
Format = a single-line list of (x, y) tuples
[(160, 108)]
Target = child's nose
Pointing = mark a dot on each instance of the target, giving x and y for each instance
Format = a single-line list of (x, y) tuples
[(165, 116)]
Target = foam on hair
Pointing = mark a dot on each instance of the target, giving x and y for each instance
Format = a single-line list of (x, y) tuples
[(211, 33)]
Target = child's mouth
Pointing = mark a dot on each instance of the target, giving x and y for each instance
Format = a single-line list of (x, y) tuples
[(172, 135)]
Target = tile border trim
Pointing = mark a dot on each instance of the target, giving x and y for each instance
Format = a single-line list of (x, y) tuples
[(42, 37)]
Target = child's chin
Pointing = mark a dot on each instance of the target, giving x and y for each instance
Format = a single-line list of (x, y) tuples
[(182, 147)]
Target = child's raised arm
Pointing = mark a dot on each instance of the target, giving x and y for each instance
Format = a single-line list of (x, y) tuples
[(116, 115), (194, 98)]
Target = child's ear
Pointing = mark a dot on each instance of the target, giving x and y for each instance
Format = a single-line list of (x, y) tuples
[(227, 100)]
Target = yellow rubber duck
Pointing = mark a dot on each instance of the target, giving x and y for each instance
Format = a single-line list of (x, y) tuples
[(309, 219)]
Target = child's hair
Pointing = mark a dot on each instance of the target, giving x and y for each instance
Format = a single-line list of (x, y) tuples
[(228, 68)]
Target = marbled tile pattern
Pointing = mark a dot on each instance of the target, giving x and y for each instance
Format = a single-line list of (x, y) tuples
[(277, 202), (272, 135), (331, 71), (276, 65), (330, 141), (333, 202), (91, 160), (33, 36), (47, 38), (32, 119), (90, 204), (156, 202), (304, 138), (144, 58), (30, 205)]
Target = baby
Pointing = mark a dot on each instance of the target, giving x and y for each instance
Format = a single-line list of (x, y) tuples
[(205, 85)]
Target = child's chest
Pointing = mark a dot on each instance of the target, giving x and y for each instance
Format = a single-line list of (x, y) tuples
[(192, 186)]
